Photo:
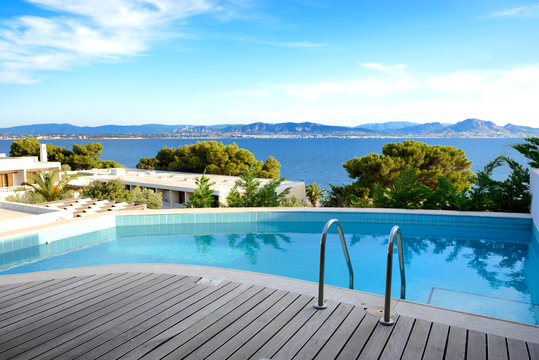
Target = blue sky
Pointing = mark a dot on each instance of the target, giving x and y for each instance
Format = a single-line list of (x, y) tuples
[(335, 62)]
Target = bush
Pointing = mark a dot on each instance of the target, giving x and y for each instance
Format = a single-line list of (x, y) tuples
[(202, 197), (248, 193), (115, 190)]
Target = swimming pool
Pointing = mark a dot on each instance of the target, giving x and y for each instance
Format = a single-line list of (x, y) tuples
[(485, 265)]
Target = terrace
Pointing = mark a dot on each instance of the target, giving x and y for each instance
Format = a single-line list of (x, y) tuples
[(178, 311), (161, 312)]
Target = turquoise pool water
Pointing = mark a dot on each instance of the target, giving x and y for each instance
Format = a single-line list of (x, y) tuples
[(490, 270)]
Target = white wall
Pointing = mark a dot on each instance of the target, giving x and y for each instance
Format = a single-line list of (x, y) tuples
[(534, 189), (41, 215)]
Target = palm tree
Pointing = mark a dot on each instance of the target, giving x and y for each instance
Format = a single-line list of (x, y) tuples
[(50, 185), (315, 192)]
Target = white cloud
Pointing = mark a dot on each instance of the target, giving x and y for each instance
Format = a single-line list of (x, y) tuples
[(288, 44), (501, 96), (521, 11), (389, 69), (84, 32)]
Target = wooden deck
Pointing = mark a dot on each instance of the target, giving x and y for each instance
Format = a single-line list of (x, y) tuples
[(156, 316)]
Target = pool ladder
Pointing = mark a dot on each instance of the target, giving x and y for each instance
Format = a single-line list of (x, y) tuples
[(320, 304), (395, 233)]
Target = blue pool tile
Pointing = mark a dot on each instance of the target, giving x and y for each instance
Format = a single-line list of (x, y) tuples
[(8, 246)]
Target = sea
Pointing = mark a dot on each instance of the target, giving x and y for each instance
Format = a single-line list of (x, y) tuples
[(310, 160)]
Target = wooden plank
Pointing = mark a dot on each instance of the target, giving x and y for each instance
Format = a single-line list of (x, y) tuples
[(533, 349), (181, 321), (268, 341), (231, 309), (476, 345), (496, 348), (417, 341), (456, 344), (225, 327), (376, 343), (334, 345), (137, 335), (72, 326), (397, 342), (27, 288), (517, 350), (359, 338), (321, 336), (296, 342), (5, 289), (226, 342), (34, 295), (179, 289), (37, 318), (435, 348), (27, 316)]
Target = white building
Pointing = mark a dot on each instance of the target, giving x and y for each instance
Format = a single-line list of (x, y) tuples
[(176, 187), (14, 170)]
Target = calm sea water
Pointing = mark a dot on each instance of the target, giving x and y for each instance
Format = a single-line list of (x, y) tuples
[(311, 160)]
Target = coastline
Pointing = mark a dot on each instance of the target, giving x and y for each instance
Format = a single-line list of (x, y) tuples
[(244, 136)]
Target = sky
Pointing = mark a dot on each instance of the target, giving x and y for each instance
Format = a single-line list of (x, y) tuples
[(206, 62)]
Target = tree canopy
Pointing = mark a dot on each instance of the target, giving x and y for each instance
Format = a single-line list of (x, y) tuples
[(82, 157), (212, 157), (427, 161)]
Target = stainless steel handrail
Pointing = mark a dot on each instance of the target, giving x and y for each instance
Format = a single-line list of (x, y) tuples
[(320, 304), (395, 231)]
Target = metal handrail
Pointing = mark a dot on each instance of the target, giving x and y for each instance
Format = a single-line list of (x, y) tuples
[(395, 231), (320, 304)]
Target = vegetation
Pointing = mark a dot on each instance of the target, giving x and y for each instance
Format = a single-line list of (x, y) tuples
[(115, 190), (247, 191), (211, 157), (428, 161), (294, 201), (529, 150), (82, 157), (203, 195), (314, 193), (49, 185), (401, 179)]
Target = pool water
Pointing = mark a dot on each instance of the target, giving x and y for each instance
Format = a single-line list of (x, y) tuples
[(445, 266)]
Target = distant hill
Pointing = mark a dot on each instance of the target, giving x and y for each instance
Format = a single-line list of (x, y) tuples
[(465, 128), (391, 125)]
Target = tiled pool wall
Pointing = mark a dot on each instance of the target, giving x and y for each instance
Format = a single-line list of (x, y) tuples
[(514, 223), (55, 240), (75, 235)]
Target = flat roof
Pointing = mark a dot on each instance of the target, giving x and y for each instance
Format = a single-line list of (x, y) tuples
[(168, 179), (6, 214)]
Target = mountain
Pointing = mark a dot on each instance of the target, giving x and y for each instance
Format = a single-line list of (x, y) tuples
[(390, 125), (465, 128), (429, 128), (292, 128), (43, 129)]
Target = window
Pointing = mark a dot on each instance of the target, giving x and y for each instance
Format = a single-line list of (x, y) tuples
[(29, 180), (6, 180)]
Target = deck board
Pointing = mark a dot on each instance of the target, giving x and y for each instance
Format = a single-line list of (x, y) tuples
[(456, 344), (163, 316)]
